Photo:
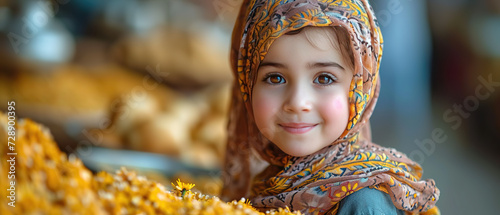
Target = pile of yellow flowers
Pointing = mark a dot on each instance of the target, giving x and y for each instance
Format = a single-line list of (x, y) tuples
[(47, 181)]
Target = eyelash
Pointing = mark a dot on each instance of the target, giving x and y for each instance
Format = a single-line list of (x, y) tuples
[(330, 77), (268, 76)]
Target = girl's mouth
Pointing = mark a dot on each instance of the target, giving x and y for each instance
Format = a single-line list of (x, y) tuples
[(297, 128)]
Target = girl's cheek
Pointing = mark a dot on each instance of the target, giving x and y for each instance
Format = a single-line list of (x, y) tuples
[(337, 104), (263, 106), (336, 109)]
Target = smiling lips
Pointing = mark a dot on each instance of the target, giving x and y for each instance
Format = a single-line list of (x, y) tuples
[(297, 128)]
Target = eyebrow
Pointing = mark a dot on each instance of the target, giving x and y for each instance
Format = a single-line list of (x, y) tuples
[(325, 64), (309, 65), (273, 64)]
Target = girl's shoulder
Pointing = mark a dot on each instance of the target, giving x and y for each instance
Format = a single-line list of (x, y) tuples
[(366, 202)]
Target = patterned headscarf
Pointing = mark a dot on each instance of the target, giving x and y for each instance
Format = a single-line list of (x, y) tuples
[(315, 183)]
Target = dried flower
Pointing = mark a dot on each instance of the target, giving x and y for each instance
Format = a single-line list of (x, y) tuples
[(183, 187), (48, 182)]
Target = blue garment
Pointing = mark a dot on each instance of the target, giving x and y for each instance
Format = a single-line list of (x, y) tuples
[(366, 202)]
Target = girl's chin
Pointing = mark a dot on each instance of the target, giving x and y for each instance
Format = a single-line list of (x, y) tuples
[(301, 149), (298, 151)]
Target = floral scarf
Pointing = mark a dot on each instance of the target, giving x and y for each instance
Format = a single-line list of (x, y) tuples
[(315, 184)]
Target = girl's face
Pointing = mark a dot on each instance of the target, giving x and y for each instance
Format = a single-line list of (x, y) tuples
[(300, 98)]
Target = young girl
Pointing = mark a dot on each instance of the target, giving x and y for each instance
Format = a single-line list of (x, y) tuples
[(306, 85)]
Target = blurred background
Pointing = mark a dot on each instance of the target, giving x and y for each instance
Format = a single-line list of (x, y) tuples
[(145, 84)]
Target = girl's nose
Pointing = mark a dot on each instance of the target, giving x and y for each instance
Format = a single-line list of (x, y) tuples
[(298, 100)]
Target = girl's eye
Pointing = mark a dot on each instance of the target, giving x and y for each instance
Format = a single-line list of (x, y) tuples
[(274, 79), (325, 79)]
